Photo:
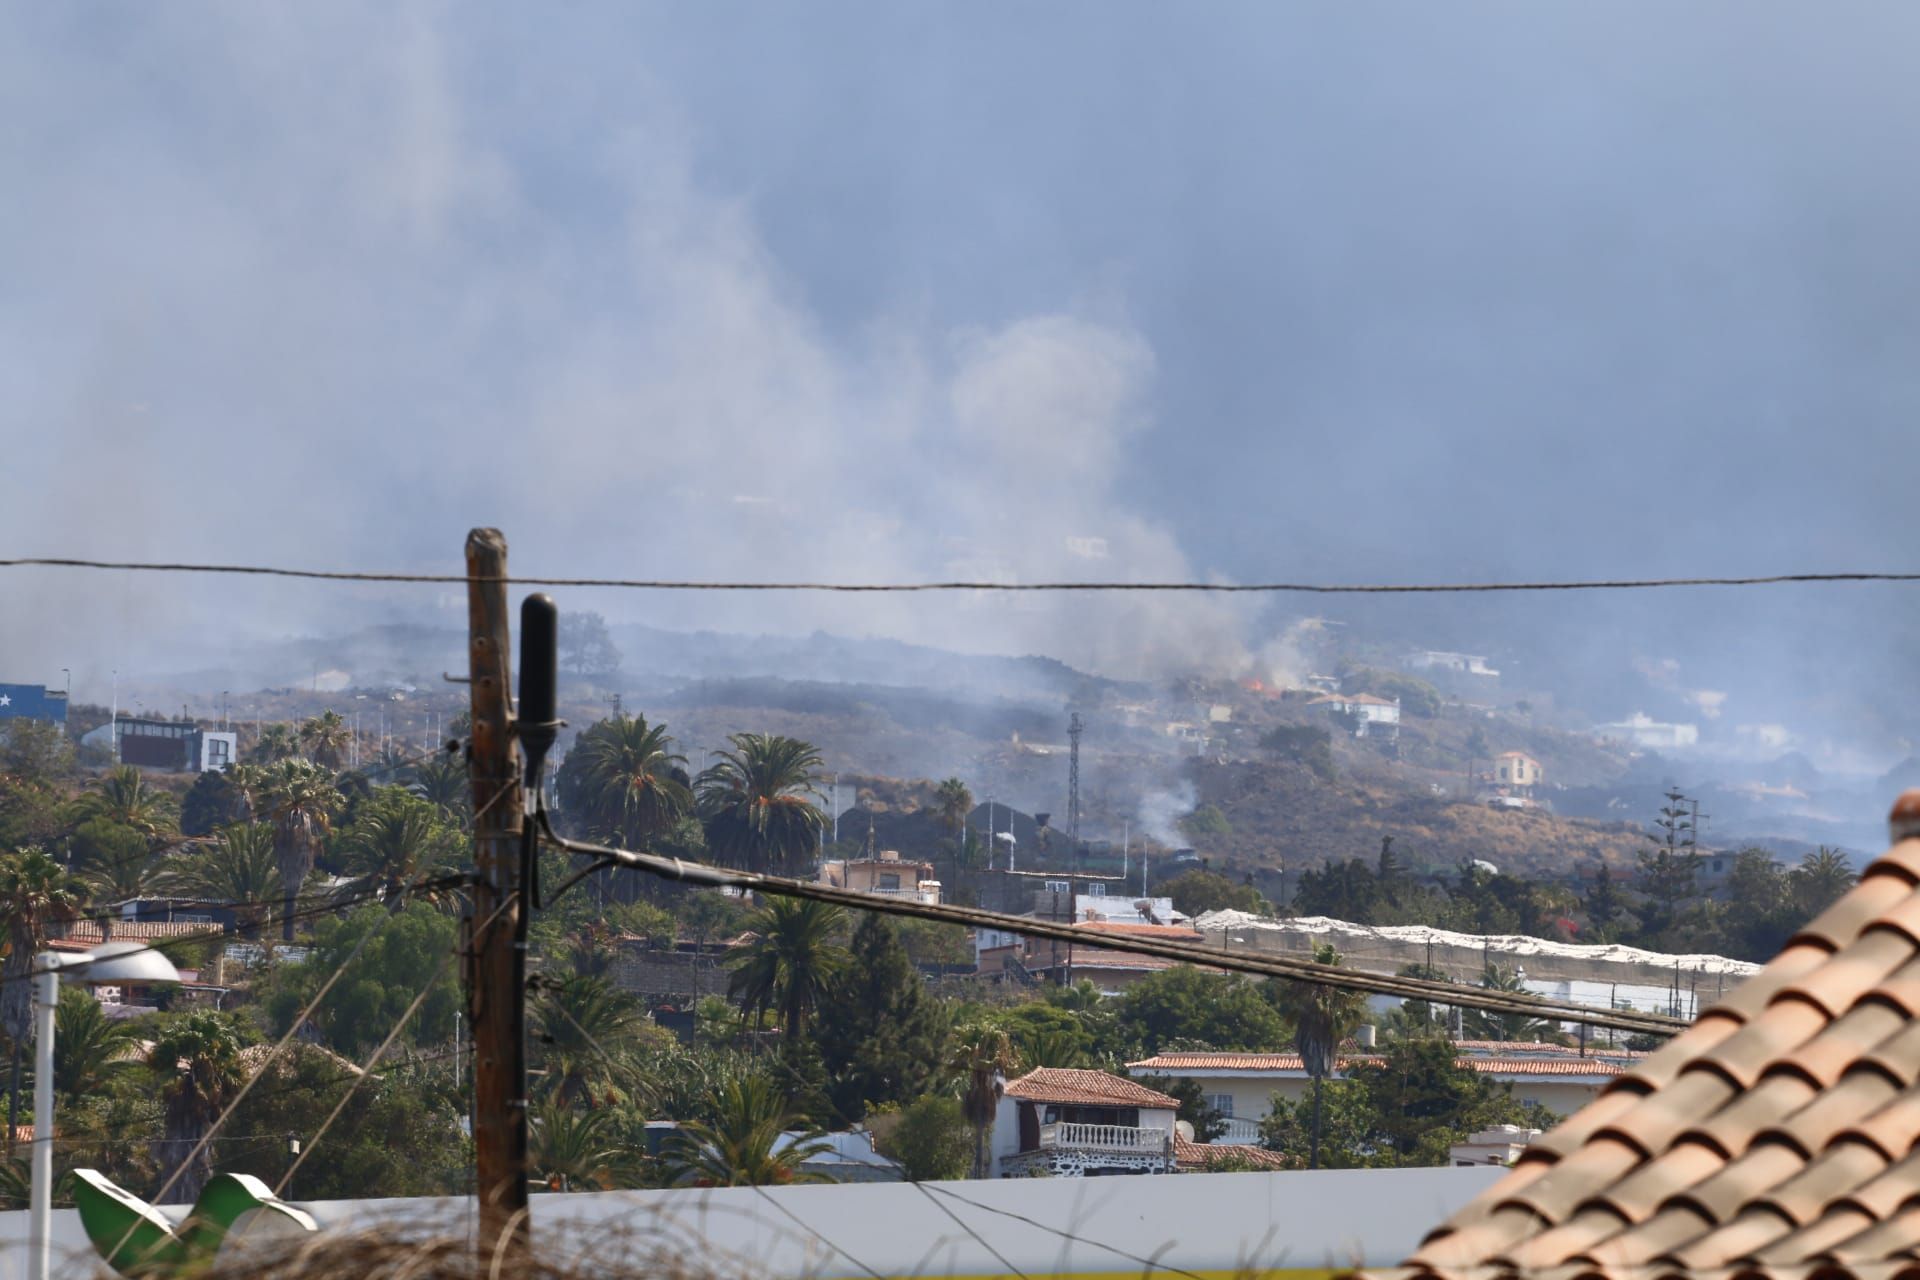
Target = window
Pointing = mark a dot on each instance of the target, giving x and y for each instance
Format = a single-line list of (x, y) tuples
[(1100, 890), (889, 882), (1056, 886), (1221, 1102)]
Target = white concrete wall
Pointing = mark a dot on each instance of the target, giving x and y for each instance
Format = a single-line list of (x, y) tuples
[(1215, 1223)]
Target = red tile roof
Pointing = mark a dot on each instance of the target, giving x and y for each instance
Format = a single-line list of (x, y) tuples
[(1198, 1156), (1069, 1086), (1778, 1134), (1290, 1062)]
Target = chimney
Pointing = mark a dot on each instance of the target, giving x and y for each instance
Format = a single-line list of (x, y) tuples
[(1904, 822)]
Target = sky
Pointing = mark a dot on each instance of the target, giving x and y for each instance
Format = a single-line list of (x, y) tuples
[(1113, 290)]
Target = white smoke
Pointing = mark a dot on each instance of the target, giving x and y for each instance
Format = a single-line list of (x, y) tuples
[(1161, 810)]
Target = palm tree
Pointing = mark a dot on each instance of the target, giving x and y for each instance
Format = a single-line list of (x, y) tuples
[(740, 1145), (1505, 1026), (35, 893), (952, 802), (90, 1050), (443, 783), (756, 805), (396, 840), (982, 1056), (325, 739), (118, 880), (196, 1060), (122, 796), (1820, 879), (1322, 1017), (583, 1026), (574, 1149), (240, 869), (277, 742), (791, 961), (302, 800), (626, 782)]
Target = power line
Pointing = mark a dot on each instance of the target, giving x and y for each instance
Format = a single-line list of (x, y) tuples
[(1219, 588), (1447, 993)]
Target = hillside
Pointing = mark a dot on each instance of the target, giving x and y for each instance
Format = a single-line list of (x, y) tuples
[(1282, 816)]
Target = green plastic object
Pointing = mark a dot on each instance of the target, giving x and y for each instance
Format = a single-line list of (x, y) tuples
[(139, 1243)]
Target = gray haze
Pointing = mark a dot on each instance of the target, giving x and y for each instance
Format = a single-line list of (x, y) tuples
[(1001, 291)]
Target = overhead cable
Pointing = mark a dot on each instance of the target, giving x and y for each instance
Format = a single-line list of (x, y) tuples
[(1216, 588)]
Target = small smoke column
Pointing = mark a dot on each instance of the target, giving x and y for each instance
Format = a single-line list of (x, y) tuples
[(1161, 810), (1286, 660)]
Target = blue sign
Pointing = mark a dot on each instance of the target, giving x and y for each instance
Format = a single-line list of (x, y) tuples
[(32, 702)]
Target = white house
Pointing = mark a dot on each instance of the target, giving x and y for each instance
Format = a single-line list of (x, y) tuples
[(1642, 730), (1242, 1086), (1517, 769), (1070, 1123), (1500, 1145), (1372, 716), (1470, 664)]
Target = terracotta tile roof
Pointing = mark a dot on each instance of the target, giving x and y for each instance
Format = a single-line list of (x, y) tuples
[(1201, 1155), (1780, 1134), (1517, 1066), (1141, 930), (88, 931), (1071, 1086), (1091, 959)]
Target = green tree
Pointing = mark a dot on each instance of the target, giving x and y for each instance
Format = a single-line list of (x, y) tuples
[(790, 963), (1343, 890), (1669, 866), (625, 782), (325, 739), (35, 893), (1483, 1024), (378, 985), (122, 796), (443, 782), (1819, 880), (578, 1149), (211, 802), (195, 1060), (1217, 1010), (1422, 1100), (276, 742), (1197, 892), (740, 1144), (1205, 821), (91, 1051), (302, 802), (35, 751), (982, 1056), (240, 869), (586, 646), (397, 840), (584, 1032), (755, 803), (887, 1036), (1322, 1017), (932, 1140), (1304, 744), (952, 802)]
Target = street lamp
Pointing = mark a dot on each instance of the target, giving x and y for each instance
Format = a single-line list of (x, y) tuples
[(108, 963)]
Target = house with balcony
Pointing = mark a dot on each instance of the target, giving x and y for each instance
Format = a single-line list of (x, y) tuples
[(1068, 1123), (885, 873)]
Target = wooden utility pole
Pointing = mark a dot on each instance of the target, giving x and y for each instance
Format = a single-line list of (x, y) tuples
[(496, 967)]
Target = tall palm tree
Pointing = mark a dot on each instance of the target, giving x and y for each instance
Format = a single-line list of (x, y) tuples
[(443, 783), (740, 1144), (790, 963), (301, 802), (952, 802), (35, 893), (1820, 879), (196, 1061), (756, 803), (1322, 1017), (982, 1056), (626, 782), (240, 868), (396, 840), (583, 1026), (277, 742), (90, 1050), (122, 796), (325, 738)]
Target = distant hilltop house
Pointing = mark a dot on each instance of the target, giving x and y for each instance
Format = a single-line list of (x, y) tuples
[(1517, 769), (32, 702), (1372, 717), (1642, 730), (1469, 664), (178, 745)]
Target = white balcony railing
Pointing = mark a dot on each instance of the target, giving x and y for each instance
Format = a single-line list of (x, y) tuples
[(1242, 1132), (1104, 1137)]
